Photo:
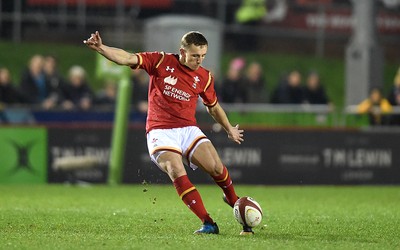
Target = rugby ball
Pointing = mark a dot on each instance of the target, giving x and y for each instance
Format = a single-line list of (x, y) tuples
[(247, 211)]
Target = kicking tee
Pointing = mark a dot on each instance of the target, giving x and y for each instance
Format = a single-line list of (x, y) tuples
[(174, 90)]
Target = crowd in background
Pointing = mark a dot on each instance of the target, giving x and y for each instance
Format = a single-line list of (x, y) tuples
[(43, 86), (379, 108), (246, 84)]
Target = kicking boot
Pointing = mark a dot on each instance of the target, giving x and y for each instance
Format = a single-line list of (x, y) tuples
[(208, 228), (247, 231), (226, 201)]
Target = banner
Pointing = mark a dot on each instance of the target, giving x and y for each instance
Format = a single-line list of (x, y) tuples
[(79, 154), (313, 157), (297, 156), (287, 157), (23, 155), (332, 20)]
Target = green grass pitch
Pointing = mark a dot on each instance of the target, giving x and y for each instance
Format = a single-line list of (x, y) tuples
[(153, 217)]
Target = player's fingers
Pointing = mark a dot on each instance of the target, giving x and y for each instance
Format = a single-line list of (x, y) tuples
[(237, 128), (238, 139), (88, 42), (98, 36), (93, 37)]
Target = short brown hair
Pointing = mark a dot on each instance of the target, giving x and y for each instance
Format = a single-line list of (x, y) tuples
[(193, 37)]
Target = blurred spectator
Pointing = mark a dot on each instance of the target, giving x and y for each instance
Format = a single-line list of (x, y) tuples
[(394, 94), (289, 91), (250, 13), (53, 79), (76, 93), (8, 93), (107, 95), (314, 92), (232, 90), (394, 98), (376, 107), (254, 84), (34, 87), (140, 81)]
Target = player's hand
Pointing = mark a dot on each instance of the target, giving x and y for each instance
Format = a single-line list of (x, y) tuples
[(94, 41), (236, 134)]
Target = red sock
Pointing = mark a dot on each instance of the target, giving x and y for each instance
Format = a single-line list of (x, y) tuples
[(191, 197), (225, 182)]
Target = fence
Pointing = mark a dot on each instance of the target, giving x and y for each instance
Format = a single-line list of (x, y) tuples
[(63, 19), (29, 17), (319, 29)]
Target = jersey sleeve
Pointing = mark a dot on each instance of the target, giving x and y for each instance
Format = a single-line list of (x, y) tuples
[(149, 61), (209, 95)]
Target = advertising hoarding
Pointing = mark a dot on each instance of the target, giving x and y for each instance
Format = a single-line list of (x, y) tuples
[(23, 155)]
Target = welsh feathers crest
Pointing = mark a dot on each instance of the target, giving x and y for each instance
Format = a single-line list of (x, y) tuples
[(170, 80)]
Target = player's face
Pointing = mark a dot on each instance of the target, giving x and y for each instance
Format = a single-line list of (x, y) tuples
[(193, 56)]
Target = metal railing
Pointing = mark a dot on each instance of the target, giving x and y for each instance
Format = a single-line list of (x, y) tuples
[(247, 114), (283, 114)]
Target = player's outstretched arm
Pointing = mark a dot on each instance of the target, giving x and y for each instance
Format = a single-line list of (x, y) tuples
[(116, 55), (219, 115)]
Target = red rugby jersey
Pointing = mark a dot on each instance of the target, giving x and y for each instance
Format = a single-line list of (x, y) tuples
[(174, 90)]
